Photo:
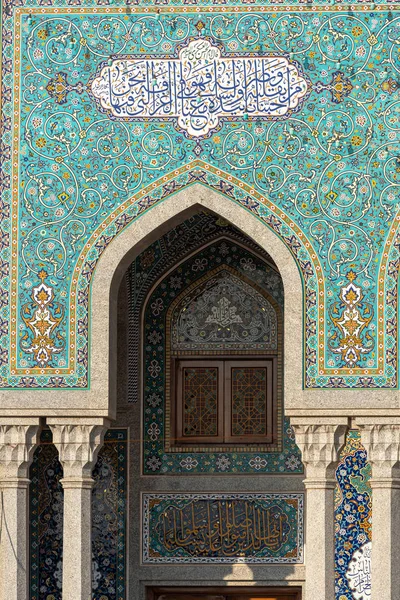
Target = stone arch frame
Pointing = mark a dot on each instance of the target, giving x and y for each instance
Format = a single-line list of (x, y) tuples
[(152, 225), (102, 264), (198, 185)]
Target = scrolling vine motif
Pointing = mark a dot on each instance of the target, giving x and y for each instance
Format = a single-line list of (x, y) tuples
[(331, 167)]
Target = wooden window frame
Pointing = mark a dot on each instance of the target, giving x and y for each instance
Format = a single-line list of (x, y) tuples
[(229, 438), (180, 438), (225, 364)]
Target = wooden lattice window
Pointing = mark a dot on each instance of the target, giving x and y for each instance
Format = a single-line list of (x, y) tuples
[(225, 401)]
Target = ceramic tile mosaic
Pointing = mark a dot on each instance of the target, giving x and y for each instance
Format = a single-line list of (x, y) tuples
[(159, 457), (353, 521), (109, 498), (222, 528), (109, 518), (46, 521), (317, 161)]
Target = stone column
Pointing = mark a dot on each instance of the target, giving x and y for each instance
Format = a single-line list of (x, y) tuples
[(320, 445), (382, 443), (78, 442), (18, 438)]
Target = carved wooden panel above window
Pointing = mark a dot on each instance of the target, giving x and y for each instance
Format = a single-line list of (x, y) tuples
[(225, 313)]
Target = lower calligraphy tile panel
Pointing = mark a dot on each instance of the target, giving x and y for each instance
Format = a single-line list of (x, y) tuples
[(222, 528)]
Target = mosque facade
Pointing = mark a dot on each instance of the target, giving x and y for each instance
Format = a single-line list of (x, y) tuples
[(199, 258)]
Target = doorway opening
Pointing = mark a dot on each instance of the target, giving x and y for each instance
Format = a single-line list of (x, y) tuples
[(223, 593)]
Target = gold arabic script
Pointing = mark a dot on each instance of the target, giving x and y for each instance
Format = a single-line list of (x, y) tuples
[(223, 528)]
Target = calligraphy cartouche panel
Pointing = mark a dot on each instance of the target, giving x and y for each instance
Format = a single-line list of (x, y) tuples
[(222, 528), (200, 87)]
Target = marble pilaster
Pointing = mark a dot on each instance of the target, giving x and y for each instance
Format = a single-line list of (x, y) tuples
[(78, 442), (18, 438), (320, 444)]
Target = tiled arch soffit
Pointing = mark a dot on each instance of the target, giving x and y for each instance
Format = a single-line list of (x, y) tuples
[(119, 240)]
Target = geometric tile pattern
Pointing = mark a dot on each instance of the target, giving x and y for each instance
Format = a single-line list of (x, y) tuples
[(109, 518), (325, 179), (46, 521), (222, 528)]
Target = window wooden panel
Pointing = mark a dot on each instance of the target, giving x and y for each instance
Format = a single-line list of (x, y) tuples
[(199, 407), (249, 401), (224, 401)]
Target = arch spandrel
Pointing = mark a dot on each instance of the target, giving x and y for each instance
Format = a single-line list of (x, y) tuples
[(147, 222)]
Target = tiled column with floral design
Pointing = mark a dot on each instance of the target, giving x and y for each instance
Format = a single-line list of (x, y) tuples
[(381, 438), (320, 445), (18, 438), (78, 442)]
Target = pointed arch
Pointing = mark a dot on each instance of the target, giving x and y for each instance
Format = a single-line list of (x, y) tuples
[(155, 222)]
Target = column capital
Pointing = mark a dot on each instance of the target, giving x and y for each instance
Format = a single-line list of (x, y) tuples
[(18, 439), (320, 444), (382, 443), (78, 442)]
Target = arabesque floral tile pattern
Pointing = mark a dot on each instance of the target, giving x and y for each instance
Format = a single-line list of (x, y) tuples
[(324, 178), (353, 519)]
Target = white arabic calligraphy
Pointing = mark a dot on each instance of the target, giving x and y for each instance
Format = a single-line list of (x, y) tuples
[(199, 87), (224, 314), (359, 573)]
